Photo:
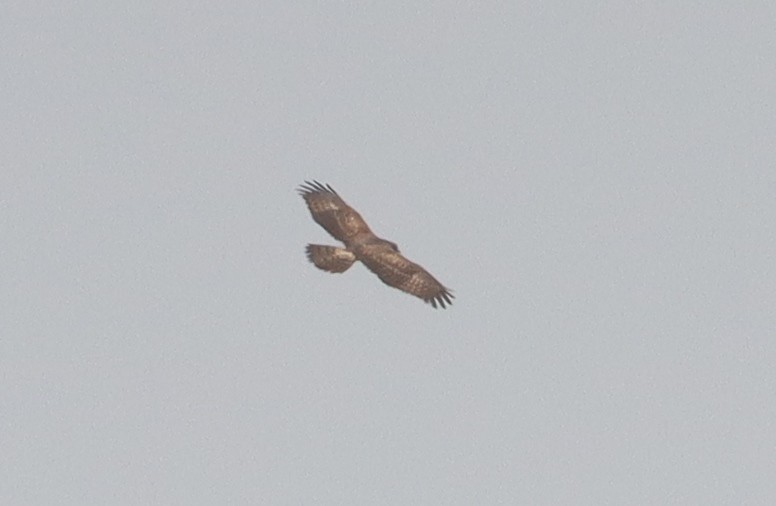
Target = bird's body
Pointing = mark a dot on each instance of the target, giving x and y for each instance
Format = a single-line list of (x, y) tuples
[(379, 255)]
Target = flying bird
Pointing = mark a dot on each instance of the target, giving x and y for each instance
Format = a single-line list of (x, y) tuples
[(378, 255)]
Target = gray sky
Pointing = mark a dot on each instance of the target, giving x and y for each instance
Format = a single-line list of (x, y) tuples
[(595, 182)]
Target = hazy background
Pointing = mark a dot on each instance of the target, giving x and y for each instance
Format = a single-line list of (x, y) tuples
[(596, 182)]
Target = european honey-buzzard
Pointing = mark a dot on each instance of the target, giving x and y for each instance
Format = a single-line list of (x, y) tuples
[(378, 255)]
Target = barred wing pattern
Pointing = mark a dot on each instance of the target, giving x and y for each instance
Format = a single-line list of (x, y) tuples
[(331, 212), (395, 270)]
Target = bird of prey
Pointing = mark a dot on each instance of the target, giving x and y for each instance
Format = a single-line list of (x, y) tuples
[(378, 255)]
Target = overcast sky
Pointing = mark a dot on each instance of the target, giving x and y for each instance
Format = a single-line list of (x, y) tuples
[(595, 182)]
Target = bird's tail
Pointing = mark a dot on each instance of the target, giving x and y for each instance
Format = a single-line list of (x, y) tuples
[(330, 258)]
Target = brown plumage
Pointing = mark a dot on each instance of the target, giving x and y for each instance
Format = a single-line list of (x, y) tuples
[(378, 255)]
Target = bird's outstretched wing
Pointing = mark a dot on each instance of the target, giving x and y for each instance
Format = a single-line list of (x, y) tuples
[(396, 271), (331, 212)]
